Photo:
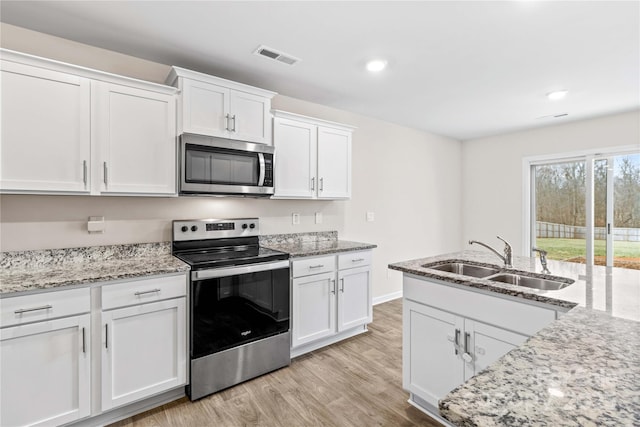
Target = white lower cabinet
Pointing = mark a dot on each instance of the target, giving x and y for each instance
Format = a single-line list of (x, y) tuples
[(143, 352), (328, 303), (45, 364), (444, 350), (451, 334), (143, 345), (46, 350)]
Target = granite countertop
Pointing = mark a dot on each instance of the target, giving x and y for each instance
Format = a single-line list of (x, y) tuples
[(311, 244), (583, 369), (27, 271)]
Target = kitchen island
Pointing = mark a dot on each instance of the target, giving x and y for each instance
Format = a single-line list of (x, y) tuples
[(582, 369)]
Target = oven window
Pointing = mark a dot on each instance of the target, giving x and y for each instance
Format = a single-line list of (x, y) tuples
[(220, 166), (231, 311)]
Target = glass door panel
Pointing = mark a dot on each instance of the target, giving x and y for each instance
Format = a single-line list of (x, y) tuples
[(559, 209), (625, 224)]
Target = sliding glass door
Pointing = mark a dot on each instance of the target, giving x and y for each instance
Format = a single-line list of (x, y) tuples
[(587, 210)]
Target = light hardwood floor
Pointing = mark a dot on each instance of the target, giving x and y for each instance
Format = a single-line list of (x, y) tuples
[(357, 382)]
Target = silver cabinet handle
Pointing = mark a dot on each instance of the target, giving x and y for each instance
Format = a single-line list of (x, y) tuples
[(146, 292), (342, 288), (321, 184), (313, 184), (226, 125), (456, 341), (84, 173), (106, 335), (234, 123), (357, 260), (466, 355), (333, 288), (27, 310), (84, 347), (316, 266), (105, 171)]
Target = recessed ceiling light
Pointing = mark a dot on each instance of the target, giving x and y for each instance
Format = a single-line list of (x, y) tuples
[(376, 65), (558, 94)]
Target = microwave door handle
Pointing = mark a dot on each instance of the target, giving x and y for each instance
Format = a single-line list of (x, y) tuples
[(262, 167)]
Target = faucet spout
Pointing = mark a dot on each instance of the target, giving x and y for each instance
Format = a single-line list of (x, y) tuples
[(507, 258)]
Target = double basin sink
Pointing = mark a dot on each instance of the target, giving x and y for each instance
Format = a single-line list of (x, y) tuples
[(496, 274)]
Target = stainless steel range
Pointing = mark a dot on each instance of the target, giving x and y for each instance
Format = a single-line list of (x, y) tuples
[(239, 303)]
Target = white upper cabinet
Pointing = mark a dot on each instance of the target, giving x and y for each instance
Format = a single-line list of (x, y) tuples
[(46, 129), (71, 130), (295, 163), (334, 163), (313, 158), (135, 130), (217, 107)]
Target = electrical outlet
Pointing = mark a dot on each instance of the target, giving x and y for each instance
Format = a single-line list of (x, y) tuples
[(295, 218), (318, 217), (371, 216)]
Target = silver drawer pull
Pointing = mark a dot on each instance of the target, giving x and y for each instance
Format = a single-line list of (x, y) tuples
[(316, 266), (357, 260), (146, 292), (26, 310)]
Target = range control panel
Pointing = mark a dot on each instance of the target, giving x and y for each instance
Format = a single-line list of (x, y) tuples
[(198, 229)]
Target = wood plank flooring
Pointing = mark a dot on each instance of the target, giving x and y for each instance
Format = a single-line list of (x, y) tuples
[(357, 382)]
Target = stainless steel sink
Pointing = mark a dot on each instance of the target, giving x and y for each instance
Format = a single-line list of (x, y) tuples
[(531, 282), (464, 269)]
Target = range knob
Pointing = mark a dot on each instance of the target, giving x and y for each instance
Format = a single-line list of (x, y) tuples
[(194, 228), (252, 226), (244, 226), (184, 228)]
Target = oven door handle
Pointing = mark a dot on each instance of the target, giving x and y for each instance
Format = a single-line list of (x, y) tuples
[(235, 271)]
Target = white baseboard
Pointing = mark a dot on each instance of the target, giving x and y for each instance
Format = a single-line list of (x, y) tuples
[(387, 297)]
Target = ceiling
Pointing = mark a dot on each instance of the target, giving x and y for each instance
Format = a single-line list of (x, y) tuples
[(459, 69)]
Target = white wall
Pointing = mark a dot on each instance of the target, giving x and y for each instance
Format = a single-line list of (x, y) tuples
[(492, 171), (409, 179)]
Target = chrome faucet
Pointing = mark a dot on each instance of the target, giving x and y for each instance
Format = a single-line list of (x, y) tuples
[(508, 252), (543, 259)]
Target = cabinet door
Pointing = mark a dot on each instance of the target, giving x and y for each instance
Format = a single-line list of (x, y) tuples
[(136, 134), (485, 344), (334, 163), (143, 351), (250, 117), (45, 130), (431, 365), (45, 372), (354, 298), (295, 159), (205, 108), (314, 308)]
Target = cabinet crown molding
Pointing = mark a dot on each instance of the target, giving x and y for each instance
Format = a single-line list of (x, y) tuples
[(80, 71), (176, 72), (312, 120)]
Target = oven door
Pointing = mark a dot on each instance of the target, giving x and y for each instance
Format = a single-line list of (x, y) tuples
[(234, 306), (215, 166)]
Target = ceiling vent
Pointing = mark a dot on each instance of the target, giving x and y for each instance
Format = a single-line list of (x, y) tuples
[(276, 55)]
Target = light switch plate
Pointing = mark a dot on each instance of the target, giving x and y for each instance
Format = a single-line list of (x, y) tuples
[(295, 218), (318, 217), (96, 225), (371, 216)]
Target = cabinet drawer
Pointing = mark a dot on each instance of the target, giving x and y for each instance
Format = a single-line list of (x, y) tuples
[(44, 306), (317, 265), (143, 291), (522, 318), (354, 259)]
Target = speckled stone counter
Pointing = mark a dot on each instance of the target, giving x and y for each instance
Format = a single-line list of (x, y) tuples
[(311, 244), (27, 271), (582, 370)]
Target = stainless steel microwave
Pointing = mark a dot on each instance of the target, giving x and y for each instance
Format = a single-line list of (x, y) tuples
[(218, 166)]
